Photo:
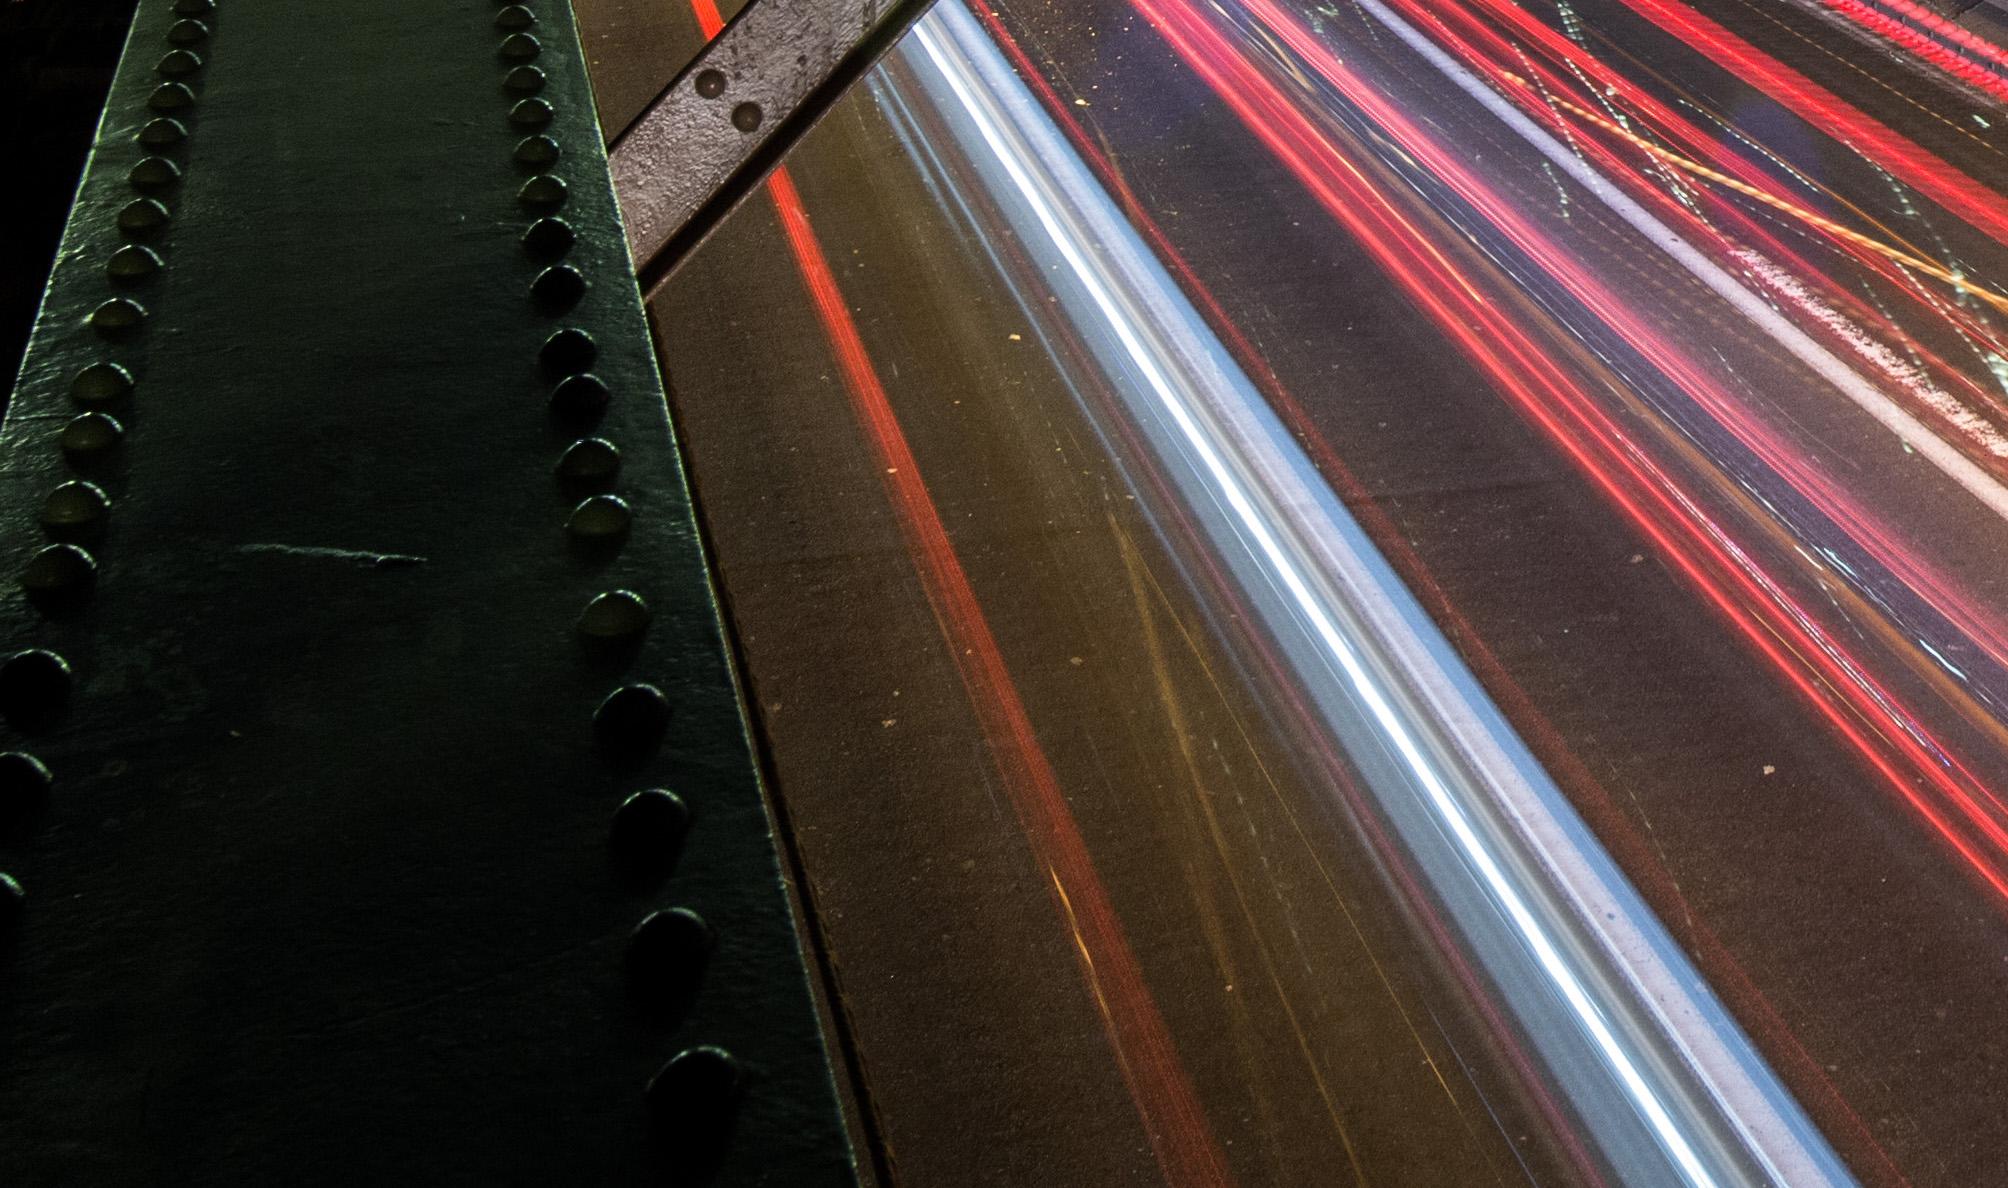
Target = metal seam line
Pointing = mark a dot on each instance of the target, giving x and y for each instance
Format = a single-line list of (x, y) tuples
[(1771, 1129)]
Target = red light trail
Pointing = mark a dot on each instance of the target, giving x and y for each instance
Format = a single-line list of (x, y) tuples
[(1961, 810), (1903, 157), (1181, 1136)]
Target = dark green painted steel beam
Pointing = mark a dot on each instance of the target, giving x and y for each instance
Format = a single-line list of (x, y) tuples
[(384, 595)]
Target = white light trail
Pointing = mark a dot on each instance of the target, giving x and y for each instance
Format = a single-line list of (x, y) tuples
[(1308, 549)]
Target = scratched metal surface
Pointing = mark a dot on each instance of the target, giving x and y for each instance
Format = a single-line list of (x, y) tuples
[(322, 893)]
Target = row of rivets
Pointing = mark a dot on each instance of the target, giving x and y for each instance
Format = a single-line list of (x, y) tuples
[(712, 84), (35, 685), (692, 1098)]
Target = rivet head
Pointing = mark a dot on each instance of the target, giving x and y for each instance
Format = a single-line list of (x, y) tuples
[(523, 80), (131, 265), (13, 906), (118, 318), (543, 193), (647, 835), (602, 519), (629, 726), (170, 97), (746, 117), (521, 47), (34, 688), (568, 352), (101, 384), (515, 16), (77, 510), (90, 439), (548, 239), (536, 153), (531, 113), (556, 290), (710, 83), (666, 955), (154, 175), (59, 578), (590, 463), (25, 785), (163, 133), (142, 218), (617, 616), (691, 1102), (179, 64), (192, 8), (187, 33), (580, 399)]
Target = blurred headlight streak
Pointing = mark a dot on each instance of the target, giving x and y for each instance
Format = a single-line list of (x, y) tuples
[(1667, 1087)]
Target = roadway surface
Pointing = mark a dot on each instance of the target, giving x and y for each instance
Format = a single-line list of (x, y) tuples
[(1719, 527)]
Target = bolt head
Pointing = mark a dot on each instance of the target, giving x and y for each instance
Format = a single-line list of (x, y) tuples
[(630, 725), (89, 439), (590, 463), (646, 837), (34, 689), (59, 579), (548, 239), (543, 193), (25, 788)]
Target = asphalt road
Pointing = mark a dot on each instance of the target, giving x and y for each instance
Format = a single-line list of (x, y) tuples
[(1741, 605)]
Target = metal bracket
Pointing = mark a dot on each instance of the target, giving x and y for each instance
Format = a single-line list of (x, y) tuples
[(723, 123)]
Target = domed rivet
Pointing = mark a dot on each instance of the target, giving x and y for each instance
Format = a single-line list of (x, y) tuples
[(600, 519), (580, 399), (615, 617), (171, 97), (531, 113), (548, 239), (590, 464), (629, 726), (647, 836), (101, 384), (59, 578), (77, 510), (194, 8), (163, 133), (543, 193), (118, 318), (131, 265), (90, 439), (523, 80), (25, 785), (154, 175), (187, 33), (142, 218), (556, 290), (666, 955), (521, 47), (13, 907), (692, 1102), (514, 17), (568, 352), (536, 153), (746, 117), (710, 83), (34, 688), (179, 64)]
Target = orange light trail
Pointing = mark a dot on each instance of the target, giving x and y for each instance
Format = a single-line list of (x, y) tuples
[(1901, 156)]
